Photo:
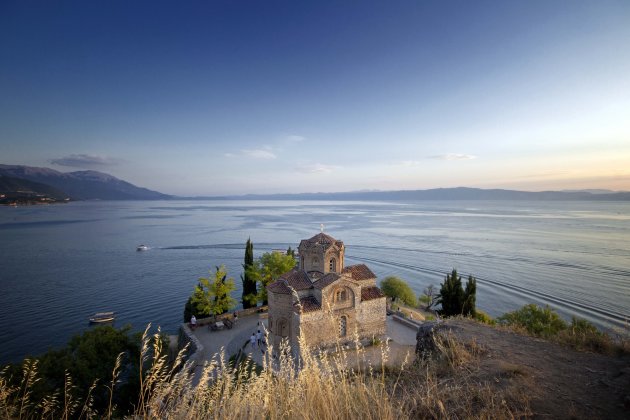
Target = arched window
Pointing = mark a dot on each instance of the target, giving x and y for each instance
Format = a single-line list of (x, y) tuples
[(302, 263), (341, 295), (343, 326), (333, 265)]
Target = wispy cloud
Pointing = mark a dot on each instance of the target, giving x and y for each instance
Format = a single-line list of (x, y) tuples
[(315, 168), (296, 139), (84, 160), (253, 154), (453, 156)]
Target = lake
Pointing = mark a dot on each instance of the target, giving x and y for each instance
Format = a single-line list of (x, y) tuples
[(61, 263)]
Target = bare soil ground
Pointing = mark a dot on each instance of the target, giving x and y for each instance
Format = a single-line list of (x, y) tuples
[(559, 382)]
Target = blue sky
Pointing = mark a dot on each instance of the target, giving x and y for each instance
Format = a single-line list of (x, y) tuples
[(219, 97)]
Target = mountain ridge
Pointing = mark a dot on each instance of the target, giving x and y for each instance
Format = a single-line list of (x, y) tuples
[(456, 193), (82, 185)]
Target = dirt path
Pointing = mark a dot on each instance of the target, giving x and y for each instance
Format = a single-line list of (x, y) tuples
[(562, 383)]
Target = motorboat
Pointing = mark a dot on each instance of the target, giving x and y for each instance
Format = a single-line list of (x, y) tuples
[(142, 248), (101, 317)]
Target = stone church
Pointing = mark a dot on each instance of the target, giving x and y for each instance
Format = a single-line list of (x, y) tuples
[(324, 299)]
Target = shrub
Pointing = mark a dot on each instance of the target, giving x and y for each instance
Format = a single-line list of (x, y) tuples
[(543, 322), (484, 318)]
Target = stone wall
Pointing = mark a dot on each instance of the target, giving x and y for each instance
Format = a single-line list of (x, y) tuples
[(371, 317), (280, 322), (194, 351)]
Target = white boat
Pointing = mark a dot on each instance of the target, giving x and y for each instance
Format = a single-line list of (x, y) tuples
[(142, 248), (101, 317)]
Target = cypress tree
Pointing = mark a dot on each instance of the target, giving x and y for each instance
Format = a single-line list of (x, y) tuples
[(452, 295), (249, 297), (470, 297)]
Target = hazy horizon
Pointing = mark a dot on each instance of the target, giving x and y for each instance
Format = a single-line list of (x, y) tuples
[(246, 97)]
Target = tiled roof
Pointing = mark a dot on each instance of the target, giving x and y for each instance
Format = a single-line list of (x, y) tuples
[(297, 279), (359, 272), (321, 239), (279, 286), (326, 280), (309, 304), (369, 293)]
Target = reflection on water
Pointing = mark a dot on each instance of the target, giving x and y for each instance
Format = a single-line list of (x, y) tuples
[(61, 263)]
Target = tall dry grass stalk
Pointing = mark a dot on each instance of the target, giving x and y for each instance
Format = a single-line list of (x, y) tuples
[(315, 385)]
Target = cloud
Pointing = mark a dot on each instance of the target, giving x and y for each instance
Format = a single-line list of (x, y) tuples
[(316, 168), (296, 139), (453, 156), (83, 160)]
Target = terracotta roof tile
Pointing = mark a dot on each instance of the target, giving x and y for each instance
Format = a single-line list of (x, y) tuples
[(297, 279), (369, 293), (359, 272), (326, 280), (309, 304)]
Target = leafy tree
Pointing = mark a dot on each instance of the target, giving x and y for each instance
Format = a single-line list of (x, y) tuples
[(212, 296), (470, 297), (397, 288), (268, 268), (291, 252), (451, 295), (250, 295)]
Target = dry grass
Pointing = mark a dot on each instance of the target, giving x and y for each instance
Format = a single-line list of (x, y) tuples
[(321, 387), (449, 386)]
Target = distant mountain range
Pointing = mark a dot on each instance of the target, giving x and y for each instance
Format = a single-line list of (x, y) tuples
[(460, 193), (80, 185), (93, 185)]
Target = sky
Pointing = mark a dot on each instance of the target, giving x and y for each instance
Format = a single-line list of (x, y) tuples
[(233, 97)]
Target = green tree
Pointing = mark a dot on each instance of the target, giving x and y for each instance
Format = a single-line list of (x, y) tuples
[(213, 296), (451, 295), (397, 288), (250, 295), (268, 268), (470, 297)]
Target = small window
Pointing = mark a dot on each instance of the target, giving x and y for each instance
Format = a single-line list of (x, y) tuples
[(333, 265), (343, 326)]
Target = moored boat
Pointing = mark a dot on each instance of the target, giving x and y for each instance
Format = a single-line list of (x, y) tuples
[(101, 317)]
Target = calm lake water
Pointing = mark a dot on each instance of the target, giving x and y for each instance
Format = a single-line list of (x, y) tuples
[(60, 263)]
